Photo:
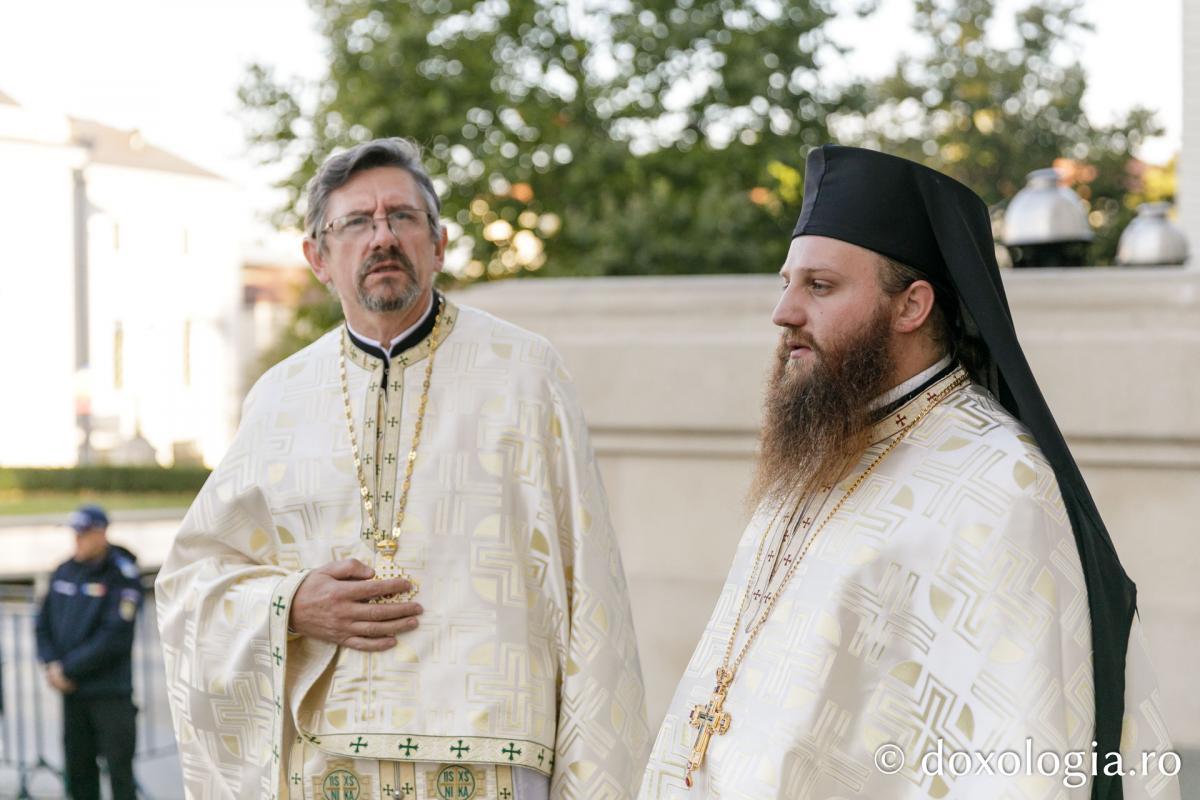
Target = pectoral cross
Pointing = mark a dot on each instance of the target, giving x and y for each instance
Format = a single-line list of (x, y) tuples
[(712, 720), (387, 568)]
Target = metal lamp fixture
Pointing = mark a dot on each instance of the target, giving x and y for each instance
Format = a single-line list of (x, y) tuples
[(1151, 239), (1046, 224)]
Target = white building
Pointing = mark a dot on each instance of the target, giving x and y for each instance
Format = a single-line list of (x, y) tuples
[(121, 296)]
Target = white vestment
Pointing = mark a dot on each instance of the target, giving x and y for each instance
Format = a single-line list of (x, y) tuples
[(524, 662), (941, 610)]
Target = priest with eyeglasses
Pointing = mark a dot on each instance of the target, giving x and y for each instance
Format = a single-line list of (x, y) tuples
[(402, 581)]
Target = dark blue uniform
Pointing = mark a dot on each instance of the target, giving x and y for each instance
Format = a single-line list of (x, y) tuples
[(86, 624)]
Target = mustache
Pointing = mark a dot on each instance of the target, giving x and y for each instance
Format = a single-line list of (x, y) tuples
[(790, 339), (394, 255)]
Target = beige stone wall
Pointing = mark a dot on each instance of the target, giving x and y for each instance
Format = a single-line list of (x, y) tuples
[(670, 372)]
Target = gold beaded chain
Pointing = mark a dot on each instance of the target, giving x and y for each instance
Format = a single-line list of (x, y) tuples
[(787, 576), (711, 718), (386, 541)]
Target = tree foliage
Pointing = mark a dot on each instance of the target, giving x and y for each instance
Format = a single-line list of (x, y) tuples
[(651, 136), (571, 137), (988, 113)]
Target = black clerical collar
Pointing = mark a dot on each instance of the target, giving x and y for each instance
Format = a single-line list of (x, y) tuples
[(415, 336), (938, 371)]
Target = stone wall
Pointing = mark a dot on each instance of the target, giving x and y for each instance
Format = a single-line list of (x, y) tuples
[(670, 373)]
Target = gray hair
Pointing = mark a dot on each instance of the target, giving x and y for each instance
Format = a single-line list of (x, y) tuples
[(390, 152)]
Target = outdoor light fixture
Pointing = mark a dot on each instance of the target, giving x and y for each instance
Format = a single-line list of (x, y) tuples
[(1151, 239), (1046, 224)]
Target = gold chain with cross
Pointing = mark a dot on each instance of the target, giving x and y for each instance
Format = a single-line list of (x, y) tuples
[(387, 542), (711, 718)]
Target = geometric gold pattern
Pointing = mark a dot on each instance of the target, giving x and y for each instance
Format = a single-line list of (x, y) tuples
[(943, 603), (525, 656)]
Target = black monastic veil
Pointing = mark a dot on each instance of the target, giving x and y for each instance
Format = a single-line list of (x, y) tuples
[(938, 226)]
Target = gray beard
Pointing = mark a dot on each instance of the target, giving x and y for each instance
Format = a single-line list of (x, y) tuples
[(816, 422), (385, 298)]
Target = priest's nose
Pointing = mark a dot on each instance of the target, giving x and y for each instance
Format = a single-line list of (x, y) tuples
[(789, 311), (382, 236)]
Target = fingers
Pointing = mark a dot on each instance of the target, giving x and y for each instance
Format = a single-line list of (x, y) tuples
[(368, 590), (369, 645), (348, 569), (383, 612)]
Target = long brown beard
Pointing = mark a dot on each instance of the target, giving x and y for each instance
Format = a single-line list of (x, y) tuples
[(816, 421)]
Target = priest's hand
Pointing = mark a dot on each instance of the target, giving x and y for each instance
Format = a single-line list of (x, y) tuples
[(333, 604)]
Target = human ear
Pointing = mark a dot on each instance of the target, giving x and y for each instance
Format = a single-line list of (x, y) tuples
[(439, 247), (315, 259), (915, 305)]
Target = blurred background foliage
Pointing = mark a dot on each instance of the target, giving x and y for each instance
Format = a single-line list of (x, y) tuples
[(632, 137)]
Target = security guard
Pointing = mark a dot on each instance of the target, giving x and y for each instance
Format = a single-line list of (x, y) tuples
[(85, 640)]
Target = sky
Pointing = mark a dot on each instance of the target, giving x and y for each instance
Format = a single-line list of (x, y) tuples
[(171, 68)]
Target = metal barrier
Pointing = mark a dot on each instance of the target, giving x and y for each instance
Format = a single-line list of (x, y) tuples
[(31, 722)]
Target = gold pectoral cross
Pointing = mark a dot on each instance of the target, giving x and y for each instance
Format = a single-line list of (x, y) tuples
[(387, 569), (712, 721)]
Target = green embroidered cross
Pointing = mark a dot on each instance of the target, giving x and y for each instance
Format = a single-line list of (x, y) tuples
[(278, 706), (511, 751), (358, 744), (541, 757), (407, 788), (393, 422), (370, 423), (278, 605), (390, 459), (367, 458), (408, 747), (296, 778), (388, 790), (372, 386), (395, 386), (312, 739), (459, 750), (505, 794), (275, 752), (278, 657), (387, 497)]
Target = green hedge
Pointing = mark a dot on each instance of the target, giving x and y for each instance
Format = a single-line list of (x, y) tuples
[(103, 478)]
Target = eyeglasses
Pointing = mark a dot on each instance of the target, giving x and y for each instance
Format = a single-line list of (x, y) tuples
[(357, 227)]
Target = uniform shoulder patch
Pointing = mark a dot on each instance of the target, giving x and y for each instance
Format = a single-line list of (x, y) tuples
[(128, 568)]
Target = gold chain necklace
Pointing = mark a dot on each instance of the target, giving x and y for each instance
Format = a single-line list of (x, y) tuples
[(387, 542), (711, 718)]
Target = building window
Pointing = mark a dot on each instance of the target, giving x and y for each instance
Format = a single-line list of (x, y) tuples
[(118, 357)]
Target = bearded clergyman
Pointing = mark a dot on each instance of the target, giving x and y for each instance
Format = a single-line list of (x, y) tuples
[(401, 581), (926, 603)]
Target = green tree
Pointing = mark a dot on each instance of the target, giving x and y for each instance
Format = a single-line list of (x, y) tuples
[(988, 114), (655, 136)]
